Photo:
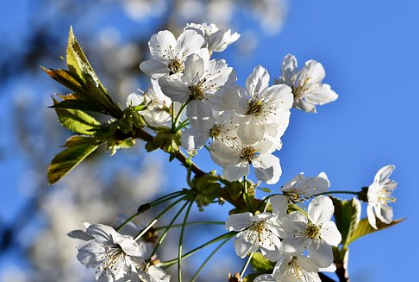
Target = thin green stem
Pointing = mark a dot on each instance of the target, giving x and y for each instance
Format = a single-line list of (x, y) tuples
[(337, 192), (174, 124), (246, 265), (163, 236), (208, 259), (247, 200), (192, 223), (126, 222), (190, 253), (167, 198), (182, 231), (157, 218), (267, 204)]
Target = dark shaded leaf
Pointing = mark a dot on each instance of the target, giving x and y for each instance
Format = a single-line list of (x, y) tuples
[(68, 159)]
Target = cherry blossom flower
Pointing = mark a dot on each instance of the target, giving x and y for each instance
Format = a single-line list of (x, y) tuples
[(202, 86), (217, 40), (315, 232), (153, 274), (260, 105), (301, 187), (260, 231), (306, 84), (292, 269), (113, 255), (169, 53), (379, 195), (195, 137), (236, 158), (158, 108)]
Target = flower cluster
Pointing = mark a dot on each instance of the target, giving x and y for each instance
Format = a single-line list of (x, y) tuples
[(244, 125), (286, 238), (242, 128), (115, 256)]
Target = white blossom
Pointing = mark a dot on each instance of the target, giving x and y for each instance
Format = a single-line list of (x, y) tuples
[(196, 137), (202, 86), (306, 84), (379, 195), (113, 255), (153, 274), (301, 187), (158, 105), (217, 39), (259, 231), (236, 157), (260, 106), (169, 53), (292, 269), (315, 232)]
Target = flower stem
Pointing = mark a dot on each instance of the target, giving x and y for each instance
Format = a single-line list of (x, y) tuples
[(157, 218), (175, 122), (167, 198), (126, 222), (337, 192), (246, 198), (246, 265), (163, 236), (188, 254), (208, 259), (193, 223), (179, 263)]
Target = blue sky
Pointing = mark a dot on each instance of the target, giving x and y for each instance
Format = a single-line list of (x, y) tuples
[(370, 52)]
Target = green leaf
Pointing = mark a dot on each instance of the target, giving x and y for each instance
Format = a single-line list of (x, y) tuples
[(77, 140), (347, 216), (68, 159), (261, 264), (65, 78), (76, 120), (364, 228), (77, 104), (76, 59)]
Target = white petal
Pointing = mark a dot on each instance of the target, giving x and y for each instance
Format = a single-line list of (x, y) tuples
[(162, 44), (371, 216), (103, 234), (90, 254), (189, 42), (154, 68), (257, 82), (267, 168), (293, 245), (320, 210), (194, 138), (305, 106), (241, 246), (312, 73), (289, 69), (330, 233), (237, 222), (223, 155), (250, 130), (320, 95), (265, 278), (385, 214), (384, 173), (236, 172), (174, 88), (200, 115), (279, 206), (194, 68), (321, 254)]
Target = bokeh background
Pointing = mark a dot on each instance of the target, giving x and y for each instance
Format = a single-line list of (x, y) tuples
[(368, 48)]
